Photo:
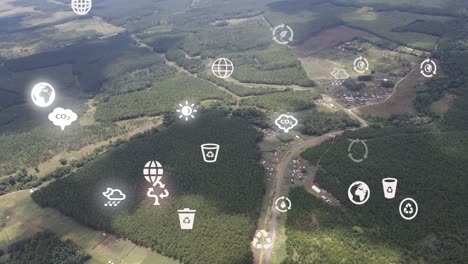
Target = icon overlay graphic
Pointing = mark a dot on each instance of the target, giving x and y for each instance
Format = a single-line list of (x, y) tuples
[(262, 240), (153, 172), (62, 117), (280, 34), (428, 68), (389, 187), (114, 196), (283, 204), (286, 122), (210, 152), (361, 65), (186, 111), (340, 76), (81, 7), (43, 94), (186, 218), (358, 192), (408, 208), (222, 68), (350, 147)]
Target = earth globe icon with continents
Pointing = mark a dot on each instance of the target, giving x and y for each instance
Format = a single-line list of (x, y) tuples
[(43, 94), (358, 192)]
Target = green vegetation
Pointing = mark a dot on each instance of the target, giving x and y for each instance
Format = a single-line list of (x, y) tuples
[(319, 122), (226, 194), (272, 66), (44, 248), (435, 181), (93, 62), (24, 149), (240, 90), (320, 233), (287, 101), (162, 97)]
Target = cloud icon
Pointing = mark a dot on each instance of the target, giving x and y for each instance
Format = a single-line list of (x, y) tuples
[(114, 194), (286, 122), (339, 74), (62, 117)]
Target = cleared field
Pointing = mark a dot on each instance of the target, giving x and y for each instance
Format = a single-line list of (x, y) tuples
[(400, 102), (21, 217), (329, 38), (383, 23)]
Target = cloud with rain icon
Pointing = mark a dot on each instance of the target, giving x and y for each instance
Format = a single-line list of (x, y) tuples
[(115, 196)]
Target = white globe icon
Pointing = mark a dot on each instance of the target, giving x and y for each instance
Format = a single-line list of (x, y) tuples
[(81, 7), (152, 170), (43, 94), (222, 68)]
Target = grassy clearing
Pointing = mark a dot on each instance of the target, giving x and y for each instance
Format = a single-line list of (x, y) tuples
[(382, 24), (22, 218), (401, 101)]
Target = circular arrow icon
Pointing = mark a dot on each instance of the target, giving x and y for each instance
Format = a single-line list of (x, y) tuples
[(283, 204), (282, 38), (361, 65), (357, 141)]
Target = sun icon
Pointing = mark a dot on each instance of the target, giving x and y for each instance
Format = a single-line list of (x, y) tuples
[(186, 111)]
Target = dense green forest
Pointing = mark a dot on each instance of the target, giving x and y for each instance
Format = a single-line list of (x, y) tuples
[(430, 167), (162, 97), (286, 101), (45, 248), (226, 194), (320, 233)]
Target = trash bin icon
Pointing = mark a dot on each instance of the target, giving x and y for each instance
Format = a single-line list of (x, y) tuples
[(186, 218), (389, 187), (210, 152)]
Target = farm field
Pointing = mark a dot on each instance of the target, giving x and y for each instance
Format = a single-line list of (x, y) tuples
[(21, 217)]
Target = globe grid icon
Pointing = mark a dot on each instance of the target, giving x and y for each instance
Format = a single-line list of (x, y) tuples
[(81, 7), (222, 68), (152, 169)]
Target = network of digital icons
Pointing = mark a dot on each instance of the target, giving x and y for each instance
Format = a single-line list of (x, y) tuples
[(359, 194), (116, 196)]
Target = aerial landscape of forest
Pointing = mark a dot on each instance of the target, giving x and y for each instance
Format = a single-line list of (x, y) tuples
[(129, 70)]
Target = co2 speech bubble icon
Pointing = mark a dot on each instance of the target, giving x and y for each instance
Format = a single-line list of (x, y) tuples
[(62, 117), (286, 122)]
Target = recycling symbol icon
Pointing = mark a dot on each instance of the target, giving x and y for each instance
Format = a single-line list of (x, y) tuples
[(408, 209), (210, 154), (389, 189), (186, 220)]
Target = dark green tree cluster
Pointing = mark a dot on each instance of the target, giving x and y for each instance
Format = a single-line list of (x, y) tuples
[(286, 101), (226, 194), (240, 90), (25, 149), (192, 65), (318, 122), (162, 97), (45, 248), (430, 168), (320, 233)]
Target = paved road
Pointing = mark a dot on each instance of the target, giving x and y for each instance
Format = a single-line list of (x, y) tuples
[(281, 171)]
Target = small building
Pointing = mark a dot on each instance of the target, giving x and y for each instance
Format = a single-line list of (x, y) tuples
[(316, 189)]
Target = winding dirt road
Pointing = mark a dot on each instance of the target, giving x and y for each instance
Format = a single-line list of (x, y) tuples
[(281, 171)]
